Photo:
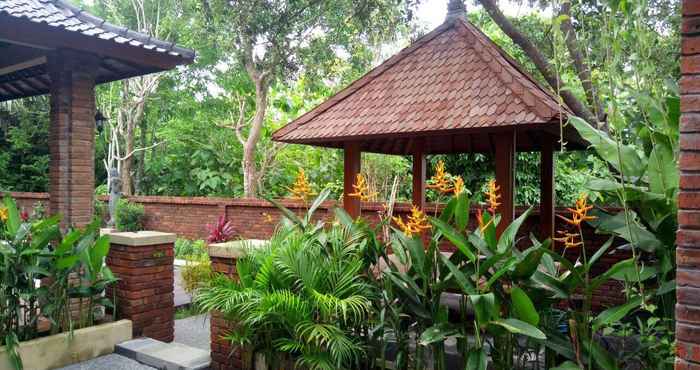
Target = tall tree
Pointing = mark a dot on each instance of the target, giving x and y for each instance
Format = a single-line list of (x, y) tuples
[(275, 41)]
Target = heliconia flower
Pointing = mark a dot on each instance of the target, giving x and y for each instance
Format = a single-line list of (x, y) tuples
[(580, 213), (492, 196), (415, 224), (440, 181), (458, 185), (4, 214), (570, 240), (480, 218), (362, 189), (301, 189)]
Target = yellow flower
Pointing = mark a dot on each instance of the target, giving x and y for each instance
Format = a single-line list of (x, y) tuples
[(268, 218), (480, 217), (580, 213), (4, 214), (440, 181), (569, 239), (493, 196), (415, 223), (301, 189), (361, 189), (458, 185)]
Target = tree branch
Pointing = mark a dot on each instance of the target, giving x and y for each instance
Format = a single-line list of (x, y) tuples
[(582, 69), (540, 61)]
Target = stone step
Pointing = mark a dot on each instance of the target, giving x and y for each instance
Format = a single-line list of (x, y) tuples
[(164, 356)]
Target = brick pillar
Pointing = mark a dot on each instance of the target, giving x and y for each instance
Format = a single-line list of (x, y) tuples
[(72, 136), (143, 261), (224, 356), (688, 238)]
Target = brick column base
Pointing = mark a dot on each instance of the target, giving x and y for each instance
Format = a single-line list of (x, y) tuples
[(224, 356), (143, 261)]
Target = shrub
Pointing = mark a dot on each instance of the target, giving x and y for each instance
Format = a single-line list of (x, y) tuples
[(196, 273), (189, 249), (221, 231), (130, 216)]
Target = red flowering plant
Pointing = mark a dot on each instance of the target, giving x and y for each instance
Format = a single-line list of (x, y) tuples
[(221, 231)]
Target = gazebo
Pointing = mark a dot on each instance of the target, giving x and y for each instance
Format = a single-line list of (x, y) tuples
[(50, 46), (451, 91)]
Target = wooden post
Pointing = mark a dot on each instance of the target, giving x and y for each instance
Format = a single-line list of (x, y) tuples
[(352, 165), (505, 177), (419, 177), (547, 188)]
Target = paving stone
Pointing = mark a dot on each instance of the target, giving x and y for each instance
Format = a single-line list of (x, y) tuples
[(108, 362), (194, 331), (167, 356)]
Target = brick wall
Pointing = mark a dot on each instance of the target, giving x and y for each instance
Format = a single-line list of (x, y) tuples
[(688, 238), (256, 219)]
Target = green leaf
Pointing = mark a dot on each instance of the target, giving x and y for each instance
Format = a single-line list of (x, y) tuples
[(568, 365), (455, 237), (288, 214), (615, 314), (437, 333), (507, 239), (531, 260), (662, 170), (477, 359), (317, 203), (522, 306), (462, 211), (462, 280), (632, 164), (614, 269), (484, 307), (13, 220), (516, 326), (599, 253)]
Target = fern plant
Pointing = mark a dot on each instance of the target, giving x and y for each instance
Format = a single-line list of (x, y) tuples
[(301, 297)]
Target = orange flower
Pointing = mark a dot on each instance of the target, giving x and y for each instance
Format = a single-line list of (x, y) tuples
[(580, 213), (361, 189), (493, 196), (480, 218), (301, 189), (415, 223), (458, 185), (268, 218), (570, 240), (440, 181), (4, 214)]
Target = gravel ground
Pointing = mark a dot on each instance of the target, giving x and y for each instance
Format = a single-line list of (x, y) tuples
[(193, 331), (109, 362)]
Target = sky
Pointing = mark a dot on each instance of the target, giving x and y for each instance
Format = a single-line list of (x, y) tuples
[(432, 12)]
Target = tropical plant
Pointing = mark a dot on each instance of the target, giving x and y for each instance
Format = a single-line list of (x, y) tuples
[(130, 216), (221, 231), (32, 250), (300, 297)]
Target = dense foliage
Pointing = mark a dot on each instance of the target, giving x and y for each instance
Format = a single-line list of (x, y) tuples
[(34, 249)]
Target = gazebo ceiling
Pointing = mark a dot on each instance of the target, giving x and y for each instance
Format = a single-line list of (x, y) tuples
[(30, 30), (450, 91)]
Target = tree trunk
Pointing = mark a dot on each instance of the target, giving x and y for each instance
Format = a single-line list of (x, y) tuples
[(127, 162), (250, 146), (582, 69), (540, 61)]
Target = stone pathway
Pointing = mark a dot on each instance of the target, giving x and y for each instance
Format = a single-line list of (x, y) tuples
[(181, 297), (109, 362), (194, 332)]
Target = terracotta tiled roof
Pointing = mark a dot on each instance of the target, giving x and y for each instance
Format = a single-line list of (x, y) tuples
[(454, 78)]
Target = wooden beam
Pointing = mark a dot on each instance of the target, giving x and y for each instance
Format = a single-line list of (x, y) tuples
[(547, 194), (504, 144), (419, 165), (39, 35), (352, 164)]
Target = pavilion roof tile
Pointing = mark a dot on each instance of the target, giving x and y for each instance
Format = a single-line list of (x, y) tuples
[(453, 78), (62, 15)]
